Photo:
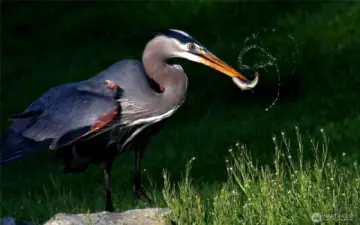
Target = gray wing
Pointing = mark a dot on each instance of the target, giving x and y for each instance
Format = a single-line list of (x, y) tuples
[(73, 116), (60, 116), (66, 113)]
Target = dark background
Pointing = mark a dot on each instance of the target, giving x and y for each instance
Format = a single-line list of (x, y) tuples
[(46, 43)]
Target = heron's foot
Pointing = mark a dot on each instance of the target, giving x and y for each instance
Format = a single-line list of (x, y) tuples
[(140, 194)]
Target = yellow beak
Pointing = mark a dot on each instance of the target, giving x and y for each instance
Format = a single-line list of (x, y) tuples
[(209, 59)]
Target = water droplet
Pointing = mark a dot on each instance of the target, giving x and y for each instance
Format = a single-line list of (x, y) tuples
[(270, 60)]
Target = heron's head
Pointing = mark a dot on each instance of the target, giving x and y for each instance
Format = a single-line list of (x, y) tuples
[(180, 44)]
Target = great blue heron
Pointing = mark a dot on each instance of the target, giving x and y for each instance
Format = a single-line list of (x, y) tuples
[(89, 122)]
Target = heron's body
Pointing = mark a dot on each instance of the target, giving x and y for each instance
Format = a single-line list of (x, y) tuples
[(134, 123), (89, 122)]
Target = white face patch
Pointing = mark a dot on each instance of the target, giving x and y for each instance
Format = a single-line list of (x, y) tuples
[(181, 32), (189, 56), (185, 46)]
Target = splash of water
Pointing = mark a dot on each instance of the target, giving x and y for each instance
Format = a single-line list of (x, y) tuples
[(270, 62), (270, 59)]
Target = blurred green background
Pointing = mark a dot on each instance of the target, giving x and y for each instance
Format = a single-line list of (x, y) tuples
[(47, 43)]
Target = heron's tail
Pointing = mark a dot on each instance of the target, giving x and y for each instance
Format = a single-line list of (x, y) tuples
[(15, 146)]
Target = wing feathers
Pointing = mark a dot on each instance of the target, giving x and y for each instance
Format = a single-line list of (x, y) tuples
[(74, 135), (25, 115)]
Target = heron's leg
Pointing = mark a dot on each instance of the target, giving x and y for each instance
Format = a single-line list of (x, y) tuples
[(139, 192), (107, 167)]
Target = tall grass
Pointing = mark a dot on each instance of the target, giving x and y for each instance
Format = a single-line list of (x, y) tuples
[(288, 191)]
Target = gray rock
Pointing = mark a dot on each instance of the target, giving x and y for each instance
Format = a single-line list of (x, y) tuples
[(12, 221), (150, 216)]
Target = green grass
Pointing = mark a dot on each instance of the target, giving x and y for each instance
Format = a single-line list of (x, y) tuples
[(287, 191), (46, 43)]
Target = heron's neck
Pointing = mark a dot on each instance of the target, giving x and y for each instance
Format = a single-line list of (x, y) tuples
[(171, 79)]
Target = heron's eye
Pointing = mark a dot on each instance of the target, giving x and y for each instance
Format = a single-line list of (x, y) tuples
[(191, 46)]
